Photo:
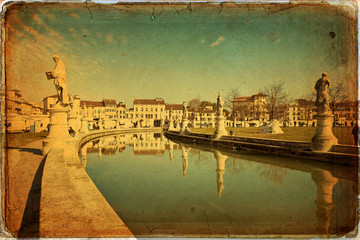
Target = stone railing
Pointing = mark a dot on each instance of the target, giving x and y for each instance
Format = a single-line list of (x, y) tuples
[(338, 154)]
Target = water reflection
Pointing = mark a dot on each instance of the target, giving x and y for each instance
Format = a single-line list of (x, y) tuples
[(220, 170), (184, 156), (324, 199), (263, 194)]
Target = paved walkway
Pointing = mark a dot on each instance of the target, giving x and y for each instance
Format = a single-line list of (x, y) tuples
[(22, 188)]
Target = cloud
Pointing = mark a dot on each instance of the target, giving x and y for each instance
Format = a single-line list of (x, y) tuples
[(202, 41), (109, 38), (74, 15), (217, 42)]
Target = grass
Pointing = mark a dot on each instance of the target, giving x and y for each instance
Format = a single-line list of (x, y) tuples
[(303, 134)]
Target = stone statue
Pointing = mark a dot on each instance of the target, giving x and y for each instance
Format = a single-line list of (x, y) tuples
[(170, 114), (84, 114), (322, 96), (185, 111), (59, 76), (220, 106)]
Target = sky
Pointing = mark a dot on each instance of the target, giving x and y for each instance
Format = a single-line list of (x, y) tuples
[(175, 53)]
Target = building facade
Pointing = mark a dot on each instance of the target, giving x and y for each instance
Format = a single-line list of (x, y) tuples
[(202, 117), (148, 112), (250, 107)]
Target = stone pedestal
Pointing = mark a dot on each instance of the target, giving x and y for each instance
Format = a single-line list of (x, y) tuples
[(324, 138), (72, 122), (58, 136), (162, 123), (84, 125), (220, 127), (184, 126), (171, 125)]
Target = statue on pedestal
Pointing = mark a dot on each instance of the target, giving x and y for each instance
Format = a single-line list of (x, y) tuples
[(322, 96), (220, 106), (185, 111), (59, 76), (171, 114), (324, 138)]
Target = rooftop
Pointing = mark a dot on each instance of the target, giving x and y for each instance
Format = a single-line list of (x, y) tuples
[(173, 106), (157, 101), (91, 104)]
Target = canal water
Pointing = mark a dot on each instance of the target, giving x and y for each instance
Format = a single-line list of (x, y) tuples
[(162, 188)]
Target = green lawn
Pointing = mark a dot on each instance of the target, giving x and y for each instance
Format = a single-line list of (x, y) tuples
[(303, 134)]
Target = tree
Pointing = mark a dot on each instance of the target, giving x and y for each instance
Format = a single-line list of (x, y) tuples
[(276, 97), (337, 94), (195, 102), (204, 104), (229, 97)]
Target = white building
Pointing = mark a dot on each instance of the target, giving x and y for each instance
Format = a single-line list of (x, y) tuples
[(148, 112), (202, 117)]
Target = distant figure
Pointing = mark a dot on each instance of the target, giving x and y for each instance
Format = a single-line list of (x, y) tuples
[(322, 96), (352, 123), (220, 106), (59, 76), (294, 123), (345, 124), (355, 133), (313, 124), (72, 132)]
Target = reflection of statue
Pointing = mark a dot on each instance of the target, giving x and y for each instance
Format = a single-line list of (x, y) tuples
[(220, 170), (220, 106), (322, 97), (324, 198), (185, 112), (171, 151), (184, 151), (58, 74)]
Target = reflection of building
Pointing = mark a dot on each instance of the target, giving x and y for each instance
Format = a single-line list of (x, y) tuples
[(148, 144), (250, 107)]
